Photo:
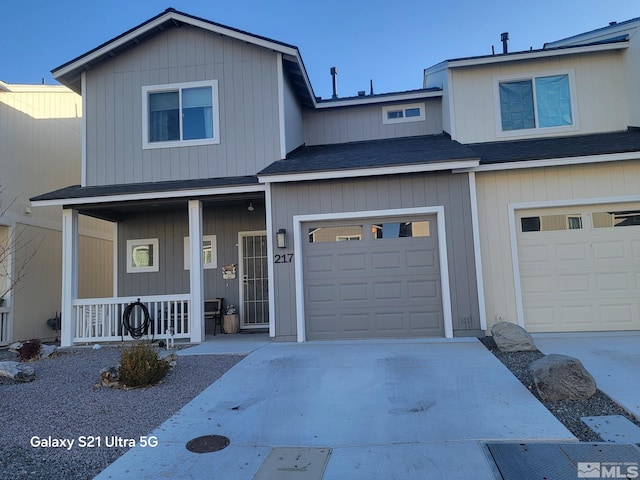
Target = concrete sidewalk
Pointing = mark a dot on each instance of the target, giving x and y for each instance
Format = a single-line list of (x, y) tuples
[(613, 358), (407, 409)]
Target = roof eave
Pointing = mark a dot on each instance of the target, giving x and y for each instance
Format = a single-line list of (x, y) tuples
[(69, 73), (527, 55)]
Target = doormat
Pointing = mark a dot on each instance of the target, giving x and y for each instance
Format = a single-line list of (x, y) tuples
[(565, 461), (294, 463)]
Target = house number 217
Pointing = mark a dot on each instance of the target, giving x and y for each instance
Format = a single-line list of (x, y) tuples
[(284, 258)]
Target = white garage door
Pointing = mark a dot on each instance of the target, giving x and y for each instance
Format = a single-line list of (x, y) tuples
[(372, 278), (580, 268)]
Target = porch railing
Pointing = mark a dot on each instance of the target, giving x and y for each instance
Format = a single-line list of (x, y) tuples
[(100, 319), (4, 325)]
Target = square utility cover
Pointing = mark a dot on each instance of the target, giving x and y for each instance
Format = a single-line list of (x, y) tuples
[(294, 463), (614, 428)]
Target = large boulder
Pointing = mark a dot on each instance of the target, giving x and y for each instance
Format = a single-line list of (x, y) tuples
[(559, 377), (17, 371), (510, 337)]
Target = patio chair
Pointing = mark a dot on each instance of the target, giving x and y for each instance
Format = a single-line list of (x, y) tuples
[(213, 311)]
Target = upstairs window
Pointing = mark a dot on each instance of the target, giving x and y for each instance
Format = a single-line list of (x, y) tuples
[(534, 103), (403, 113), (180, 114)]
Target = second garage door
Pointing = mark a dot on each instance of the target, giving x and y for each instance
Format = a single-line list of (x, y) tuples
[(372, 278), (580, 268)]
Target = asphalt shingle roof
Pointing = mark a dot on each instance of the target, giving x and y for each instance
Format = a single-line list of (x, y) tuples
[(371, 154), (77, 191), (558, 147)]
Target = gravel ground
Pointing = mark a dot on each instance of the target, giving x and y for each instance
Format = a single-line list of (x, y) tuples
[(64, 402), (568, 411)]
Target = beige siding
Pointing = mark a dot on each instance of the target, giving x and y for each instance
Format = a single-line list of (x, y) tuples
[(599, 79), (496, 190), (354, 124), (40, 137), (248, 107)]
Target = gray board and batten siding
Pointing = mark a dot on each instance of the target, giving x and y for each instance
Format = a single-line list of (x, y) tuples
[(170, 227), (248, 106), (374, 194), (364, 122)]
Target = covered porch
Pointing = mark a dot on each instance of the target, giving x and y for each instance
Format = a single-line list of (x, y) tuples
[(177, 247)]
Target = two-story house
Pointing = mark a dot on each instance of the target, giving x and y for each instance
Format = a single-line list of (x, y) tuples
[(497, 191), (40, 139), (225, 177), (558, 185)]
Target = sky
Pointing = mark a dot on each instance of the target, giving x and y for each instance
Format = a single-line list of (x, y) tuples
[(389, 42)]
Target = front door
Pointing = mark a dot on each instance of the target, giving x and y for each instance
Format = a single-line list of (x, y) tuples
[(254, 293)]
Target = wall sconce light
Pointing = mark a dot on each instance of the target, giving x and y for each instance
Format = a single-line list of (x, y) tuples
[(282, 238), (250, 206)]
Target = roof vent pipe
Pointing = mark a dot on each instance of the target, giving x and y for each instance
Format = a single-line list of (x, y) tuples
[(334, 77), (504, 38)]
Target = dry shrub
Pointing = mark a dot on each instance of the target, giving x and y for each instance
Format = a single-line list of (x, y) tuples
[(141, 367), (29, 350)]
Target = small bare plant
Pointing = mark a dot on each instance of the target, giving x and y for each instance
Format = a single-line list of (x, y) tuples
[(141, 367)]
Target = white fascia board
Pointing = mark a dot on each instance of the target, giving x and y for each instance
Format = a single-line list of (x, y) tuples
[(132, 197), (457, 165), (514, 57), (369, 99), (245, 37), (553, 162)]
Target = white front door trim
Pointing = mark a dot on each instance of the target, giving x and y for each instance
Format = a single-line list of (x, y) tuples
[(298, 220)]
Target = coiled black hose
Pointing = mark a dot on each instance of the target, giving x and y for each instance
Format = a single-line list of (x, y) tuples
[(141, 330)]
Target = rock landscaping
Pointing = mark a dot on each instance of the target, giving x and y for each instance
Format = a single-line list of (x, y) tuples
[(568, 412)]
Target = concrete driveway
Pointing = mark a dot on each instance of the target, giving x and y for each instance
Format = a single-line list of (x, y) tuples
[(407, 409)]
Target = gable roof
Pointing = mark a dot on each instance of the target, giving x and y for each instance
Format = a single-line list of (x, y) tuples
[(69, 73)]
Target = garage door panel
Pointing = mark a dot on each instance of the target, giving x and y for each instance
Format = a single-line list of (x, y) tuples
[(381, 287), (583, 278), (319, 263), (352, 262)]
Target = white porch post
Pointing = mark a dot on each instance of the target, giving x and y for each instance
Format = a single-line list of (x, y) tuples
[(69, 273), (196, 309)]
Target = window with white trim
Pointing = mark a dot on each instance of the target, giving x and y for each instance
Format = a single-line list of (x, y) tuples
[(536, 102), (180, 114), (143, 255), (414, 112), (209, 252)]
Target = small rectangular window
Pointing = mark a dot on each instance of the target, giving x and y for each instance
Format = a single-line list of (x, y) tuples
[(143, 255), (414, 112), (616, 219), (209, 252), (400, 230), (549, 223), (340, 233)]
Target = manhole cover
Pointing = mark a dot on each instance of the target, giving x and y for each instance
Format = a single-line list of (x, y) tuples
[(207, 443)]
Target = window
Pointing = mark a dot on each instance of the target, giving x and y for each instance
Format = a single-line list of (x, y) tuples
[(209, 252), (616, 219), (547, 223), (180, 114), (403, 113), (143, 255), (400, 230), (335, 234), (538, 102)]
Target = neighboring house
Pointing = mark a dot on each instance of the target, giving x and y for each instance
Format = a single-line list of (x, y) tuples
[(558, 186), (225, 177), (40, 138)]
